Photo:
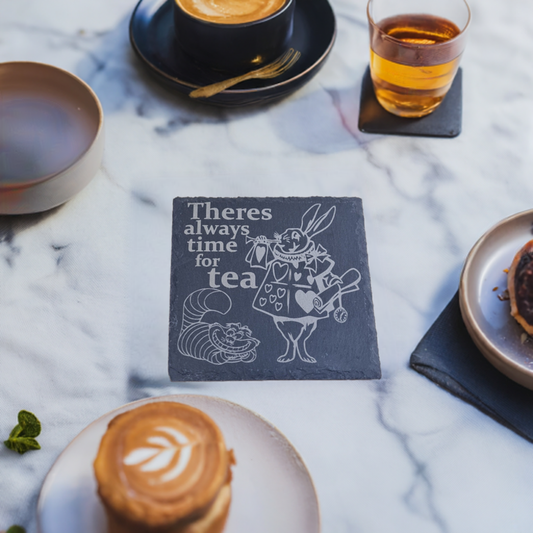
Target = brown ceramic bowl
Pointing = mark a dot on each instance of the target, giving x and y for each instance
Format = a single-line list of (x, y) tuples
[(51, 136)]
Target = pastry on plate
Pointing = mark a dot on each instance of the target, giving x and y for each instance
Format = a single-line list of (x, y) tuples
[(520, 286), (163, 467)]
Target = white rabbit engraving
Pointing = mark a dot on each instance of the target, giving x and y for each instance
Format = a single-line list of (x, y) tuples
[(300, 288)]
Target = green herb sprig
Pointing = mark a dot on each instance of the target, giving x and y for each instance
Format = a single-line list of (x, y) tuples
[(16, 529), (22, 438)]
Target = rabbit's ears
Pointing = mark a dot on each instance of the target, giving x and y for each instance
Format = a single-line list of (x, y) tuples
[(312, 226)]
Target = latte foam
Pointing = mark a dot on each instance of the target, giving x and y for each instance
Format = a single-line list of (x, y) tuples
[(230, 11)]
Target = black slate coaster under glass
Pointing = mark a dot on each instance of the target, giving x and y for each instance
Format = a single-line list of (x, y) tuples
[(445, 121), (270, 289), (448, 356)]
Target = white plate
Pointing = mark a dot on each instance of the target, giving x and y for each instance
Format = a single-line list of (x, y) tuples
[(495, 332), (272, 489)]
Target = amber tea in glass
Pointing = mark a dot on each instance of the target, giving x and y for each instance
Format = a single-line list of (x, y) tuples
[(415, 49)]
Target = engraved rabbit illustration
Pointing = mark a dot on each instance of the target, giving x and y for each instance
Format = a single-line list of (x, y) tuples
[(300, 288)]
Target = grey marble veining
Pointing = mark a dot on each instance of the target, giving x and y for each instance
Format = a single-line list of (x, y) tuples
[(84, 288)]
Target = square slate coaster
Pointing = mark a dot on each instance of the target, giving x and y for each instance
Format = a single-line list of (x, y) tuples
[(270, 289), (445, 121), (448, 356)]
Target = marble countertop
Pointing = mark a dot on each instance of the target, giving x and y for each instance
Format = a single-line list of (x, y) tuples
[(84, 289)]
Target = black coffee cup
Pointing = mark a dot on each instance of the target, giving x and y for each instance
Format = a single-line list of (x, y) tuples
[(234, 47)]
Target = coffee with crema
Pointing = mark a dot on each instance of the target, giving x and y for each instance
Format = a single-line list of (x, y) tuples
[(231, 11)]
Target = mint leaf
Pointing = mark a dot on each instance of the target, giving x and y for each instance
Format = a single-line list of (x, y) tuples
[(16, 529), (31, 427), (22, 437), (17, 430), (22, 444)]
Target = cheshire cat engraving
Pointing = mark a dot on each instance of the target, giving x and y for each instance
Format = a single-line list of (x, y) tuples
[(213, 342)]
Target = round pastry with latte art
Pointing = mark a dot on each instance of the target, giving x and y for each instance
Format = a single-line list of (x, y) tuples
[(520, 286), (164, 468)]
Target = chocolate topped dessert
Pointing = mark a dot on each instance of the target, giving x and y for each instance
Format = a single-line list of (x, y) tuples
[(520, 285)]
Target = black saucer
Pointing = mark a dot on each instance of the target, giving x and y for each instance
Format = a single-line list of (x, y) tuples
[(152, 38)]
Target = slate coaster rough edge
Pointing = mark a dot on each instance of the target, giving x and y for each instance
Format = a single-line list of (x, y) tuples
[(445, 121)]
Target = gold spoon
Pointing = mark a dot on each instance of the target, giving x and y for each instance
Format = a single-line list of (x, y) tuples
[(276, 68)]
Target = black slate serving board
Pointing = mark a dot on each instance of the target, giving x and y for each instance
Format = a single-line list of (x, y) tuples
[(448, 356)]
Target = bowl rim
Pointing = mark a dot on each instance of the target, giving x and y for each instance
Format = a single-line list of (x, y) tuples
[(92, 94)]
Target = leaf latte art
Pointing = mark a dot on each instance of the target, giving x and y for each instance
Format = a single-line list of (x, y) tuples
[(168, 455)]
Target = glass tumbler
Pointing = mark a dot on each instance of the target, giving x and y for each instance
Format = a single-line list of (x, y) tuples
[(415, 49)]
